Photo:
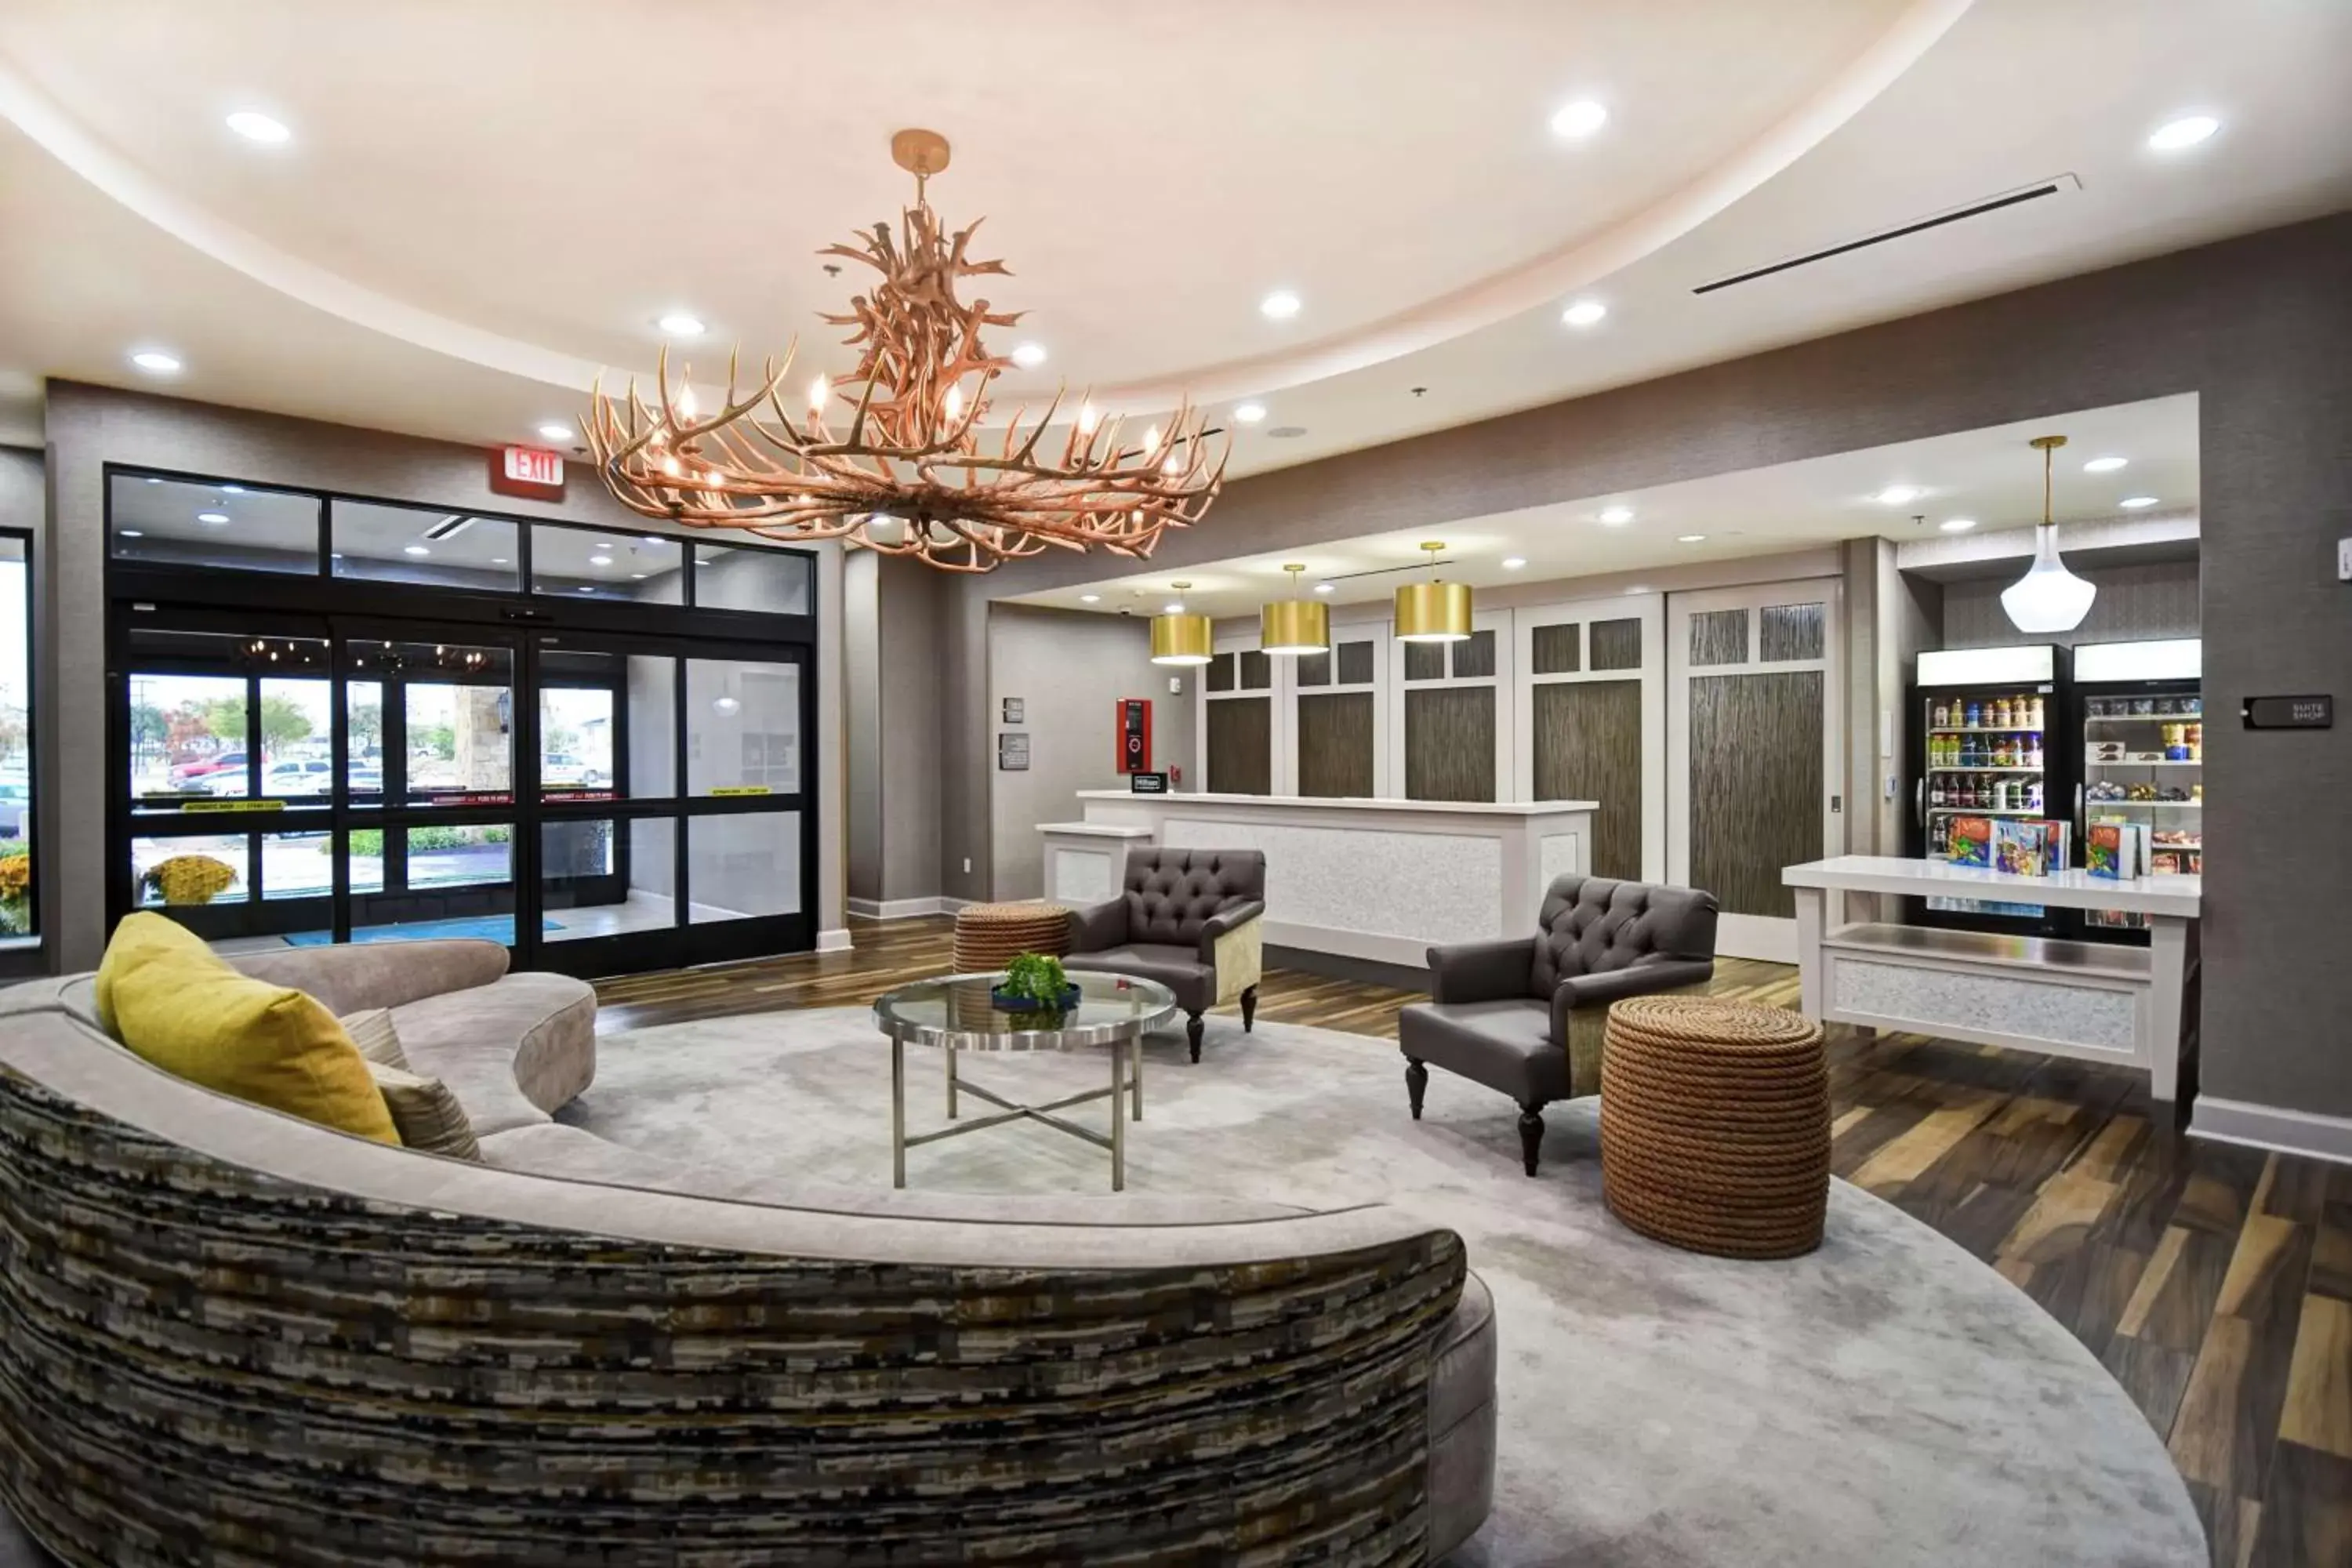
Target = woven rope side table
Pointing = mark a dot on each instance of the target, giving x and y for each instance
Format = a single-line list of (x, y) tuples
[(989, 936), (1715, 1125)]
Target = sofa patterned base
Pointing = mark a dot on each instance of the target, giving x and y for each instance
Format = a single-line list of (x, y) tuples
[(332, 1352)]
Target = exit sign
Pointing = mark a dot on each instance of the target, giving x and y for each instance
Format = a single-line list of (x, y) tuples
[(532, 471)]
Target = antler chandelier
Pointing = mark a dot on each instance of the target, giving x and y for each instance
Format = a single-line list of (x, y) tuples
[(913, 473)]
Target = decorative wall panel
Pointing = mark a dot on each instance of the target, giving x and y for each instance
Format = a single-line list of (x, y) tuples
[(1313, 669), (1473, 656), (1240, 745), (1425, 661), (1438, 887), (1556, 857), (1754, 785), (1587, 737), (1718, 636), (2030, 1009), (1256, 671), (1449, 743), (1219, 673), (1335, 743), (2156, 599), (1789, 633), (1084, 876), (1356, 663), (1553, 650), (1617, 644)]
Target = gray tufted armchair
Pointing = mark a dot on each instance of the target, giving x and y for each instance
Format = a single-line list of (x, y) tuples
[(1189, 919), (1525, 1015)]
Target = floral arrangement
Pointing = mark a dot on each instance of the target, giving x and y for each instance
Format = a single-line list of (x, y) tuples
[(187, 878), (15, 893), (1036, 977)]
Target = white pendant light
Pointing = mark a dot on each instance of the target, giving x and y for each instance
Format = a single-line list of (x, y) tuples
[(2048, 598)]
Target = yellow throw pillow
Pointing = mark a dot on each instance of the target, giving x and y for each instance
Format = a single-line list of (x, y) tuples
[(174, 1003)]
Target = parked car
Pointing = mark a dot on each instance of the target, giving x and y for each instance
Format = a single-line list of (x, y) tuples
[(563, 768), (186, 776), (16, 800), (314, 775)]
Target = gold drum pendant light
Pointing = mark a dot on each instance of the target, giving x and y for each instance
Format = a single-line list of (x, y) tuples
[(1294, 625), (1434, 611), (1178, 637)]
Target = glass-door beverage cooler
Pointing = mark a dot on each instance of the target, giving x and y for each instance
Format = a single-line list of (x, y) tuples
[(1984, 722), (2141, 739)]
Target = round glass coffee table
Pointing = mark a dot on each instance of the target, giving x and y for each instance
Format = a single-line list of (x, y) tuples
[(955, 1014)]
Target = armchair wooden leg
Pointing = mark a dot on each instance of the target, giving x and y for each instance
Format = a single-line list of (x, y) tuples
[(1530, 1133), (1416, 1083), (1249, 1009), (1193, 1033)]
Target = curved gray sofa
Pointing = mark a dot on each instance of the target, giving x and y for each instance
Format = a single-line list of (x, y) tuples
[(226, 1334)]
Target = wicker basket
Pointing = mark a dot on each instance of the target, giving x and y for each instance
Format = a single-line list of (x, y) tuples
[(1715, 1125), (989, 936)]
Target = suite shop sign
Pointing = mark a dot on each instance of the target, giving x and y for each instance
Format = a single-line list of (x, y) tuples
[(532, 472)]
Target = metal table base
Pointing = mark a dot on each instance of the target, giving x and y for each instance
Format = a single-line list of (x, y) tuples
[(1126, 1090)]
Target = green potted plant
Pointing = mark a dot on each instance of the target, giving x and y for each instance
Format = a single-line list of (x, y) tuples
[(1034, 982)]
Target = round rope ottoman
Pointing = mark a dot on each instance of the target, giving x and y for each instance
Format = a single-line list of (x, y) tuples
[(989, 936), (1715, 1125)]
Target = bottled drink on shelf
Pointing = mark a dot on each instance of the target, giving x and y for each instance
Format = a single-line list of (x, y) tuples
[(2034, 714), (1975, 715), (1935, 791), (2033, 751), (1942, 718), (2001, 712)]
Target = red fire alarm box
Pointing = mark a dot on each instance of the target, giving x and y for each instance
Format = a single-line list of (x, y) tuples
[(1135, 734)]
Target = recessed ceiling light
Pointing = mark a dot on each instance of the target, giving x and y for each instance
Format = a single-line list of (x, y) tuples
[(498, 560), (2103, 464), (129, 533), (1584, 312), (1579, 119), (157, 360), (213, 518), (2135, 503), (1249, 412), (555, 432), (678, 324), (154, 481), (1898, 495), (336, 555), (256, 126), (1690, 539), (1513, 563), (415, 550), (1090, 598), (1279, 306), (638, 576), (600, 561), (1324, 587), (1029, 357), (1959, 524), (1173, 608), (1617, 516), (2186, 132), (586, 588)]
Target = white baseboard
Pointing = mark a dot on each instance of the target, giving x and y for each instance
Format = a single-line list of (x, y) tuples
[(834, 941), (2267, 1127), (897, 909)]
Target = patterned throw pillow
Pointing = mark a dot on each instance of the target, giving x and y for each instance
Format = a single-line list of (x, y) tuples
[(427, 1114), (378, 1041)]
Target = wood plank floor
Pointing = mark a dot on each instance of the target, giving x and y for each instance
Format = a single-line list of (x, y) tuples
[(2214, 1282)]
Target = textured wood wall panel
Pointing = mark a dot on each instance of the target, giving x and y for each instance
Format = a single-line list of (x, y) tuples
[(1449, 743), (1553, 650), (1754, 785), (1335, 743), (1256, 671), (1789, 633), (1718, 636), (1220, 672), (1313, 669), (1587, 746), (1425, 661), (1355, 664), (1617, 644), (1240, 745), (1473, 656)]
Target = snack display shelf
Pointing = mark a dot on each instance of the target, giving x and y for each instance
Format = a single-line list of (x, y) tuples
[(1943, 770)]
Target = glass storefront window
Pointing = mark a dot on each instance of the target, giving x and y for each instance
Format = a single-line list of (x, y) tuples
[(424, 545), (743, 728), (187, 738), (298, 866), (742, 866), (456, 707), (457, 857), (182, 522), (603, 879), (17, 915), (184, 872), (771, 582), (363, 741), (584, 564)]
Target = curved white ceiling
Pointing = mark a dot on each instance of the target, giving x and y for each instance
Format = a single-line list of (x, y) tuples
[(528, 187)]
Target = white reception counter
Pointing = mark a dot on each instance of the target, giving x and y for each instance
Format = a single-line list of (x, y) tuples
[(1379, 881), (2093, 999)]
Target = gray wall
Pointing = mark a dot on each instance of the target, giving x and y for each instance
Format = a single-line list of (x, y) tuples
[(861, 678), (2258, 327), (1069, 670), (23, 503), (89, 426), (909, 717), (2158, 599)]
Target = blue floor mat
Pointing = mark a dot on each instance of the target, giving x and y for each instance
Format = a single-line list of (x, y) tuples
[(490, 928)]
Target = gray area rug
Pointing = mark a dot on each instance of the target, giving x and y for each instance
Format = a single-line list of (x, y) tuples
[(1888, 1400)]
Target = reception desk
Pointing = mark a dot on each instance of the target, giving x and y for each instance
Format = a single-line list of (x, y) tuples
[(2093, 1000), (1376, 881)]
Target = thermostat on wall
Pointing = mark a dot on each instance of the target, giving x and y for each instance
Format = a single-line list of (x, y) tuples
[(2343, 561)]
